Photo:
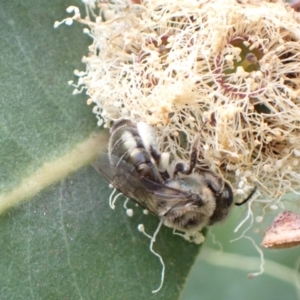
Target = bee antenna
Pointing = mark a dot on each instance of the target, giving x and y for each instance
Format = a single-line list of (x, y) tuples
[(247, 199)]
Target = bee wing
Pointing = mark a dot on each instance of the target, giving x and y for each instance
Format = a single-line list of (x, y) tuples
[(125, 179), (143, 191), (169, 199), (165, 193)]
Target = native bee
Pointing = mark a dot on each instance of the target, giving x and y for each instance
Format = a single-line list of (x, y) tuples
[(182, 195)]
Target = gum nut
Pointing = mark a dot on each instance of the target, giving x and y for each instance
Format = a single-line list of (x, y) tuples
[(284, 231)]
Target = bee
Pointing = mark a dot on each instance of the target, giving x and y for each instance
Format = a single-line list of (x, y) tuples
[(183, 196)]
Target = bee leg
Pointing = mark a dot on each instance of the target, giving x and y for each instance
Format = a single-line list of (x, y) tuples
[(161, 161), (194, 153), (180, 167), (156, 155)]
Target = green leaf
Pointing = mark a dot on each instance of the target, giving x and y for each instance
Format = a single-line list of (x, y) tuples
[(65, 242)]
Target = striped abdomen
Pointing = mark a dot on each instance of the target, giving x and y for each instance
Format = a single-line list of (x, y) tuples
[(127, 145)]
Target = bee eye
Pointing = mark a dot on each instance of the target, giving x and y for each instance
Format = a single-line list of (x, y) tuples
[(227, 194)]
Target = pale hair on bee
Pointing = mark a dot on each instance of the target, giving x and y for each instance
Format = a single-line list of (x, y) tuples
[(183, 196)]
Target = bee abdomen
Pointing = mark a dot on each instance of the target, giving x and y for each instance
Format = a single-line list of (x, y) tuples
[(127, 145)]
